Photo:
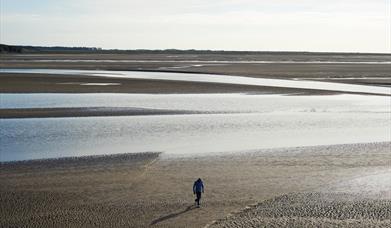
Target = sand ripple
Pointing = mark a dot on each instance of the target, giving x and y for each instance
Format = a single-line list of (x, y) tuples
[(312, 210)]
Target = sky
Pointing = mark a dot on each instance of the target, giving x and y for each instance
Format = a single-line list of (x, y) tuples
[(254, 25)]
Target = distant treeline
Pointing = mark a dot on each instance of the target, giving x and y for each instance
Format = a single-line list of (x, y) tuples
[(31, 49), (96, 50)]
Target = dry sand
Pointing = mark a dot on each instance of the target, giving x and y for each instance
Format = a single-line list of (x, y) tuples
[(289, 186)]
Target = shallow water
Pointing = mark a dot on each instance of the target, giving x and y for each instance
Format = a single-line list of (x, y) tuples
[(246, 122), (201, 102), (224, 79), (263, 121), (191, 61), (183, 134)]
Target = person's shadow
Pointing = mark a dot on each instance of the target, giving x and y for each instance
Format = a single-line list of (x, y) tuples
[(173, 215)]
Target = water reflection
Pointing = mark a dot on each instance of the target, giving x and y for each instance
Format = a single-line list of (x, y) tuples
[(185, 134), (250, 121), (201, 102), (210, 78)]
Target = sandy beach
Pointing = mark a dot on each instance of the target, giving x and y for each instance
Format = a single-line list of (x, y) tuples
[(303, 186), (199, 114), (47, 83), (90, 111), (373, 69), (343, 185)]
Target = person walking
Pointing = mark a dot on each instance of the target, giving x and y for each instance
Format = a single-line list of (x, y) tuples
[(198, 189)]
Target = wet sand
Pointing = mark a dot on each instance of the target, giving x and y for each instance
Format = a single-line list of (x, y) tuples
[(50, 83), (340, 185), (89, 111), (312, 210), (304, 186), (335, 68)]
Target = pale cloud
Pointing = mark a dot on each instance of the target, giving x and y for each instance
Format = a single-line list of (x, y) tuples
[(303, 25)]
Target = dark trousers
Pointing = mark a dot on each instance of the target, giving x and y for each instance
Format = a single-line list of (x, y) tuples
[(198, 194)]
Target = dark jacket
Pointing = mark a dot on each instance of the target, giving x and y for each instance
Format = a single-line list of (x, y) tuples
[(198, 186)]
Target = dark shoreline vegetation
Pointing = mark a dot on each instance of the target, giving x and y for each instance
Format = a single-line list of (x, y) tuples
[(29, 49)]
